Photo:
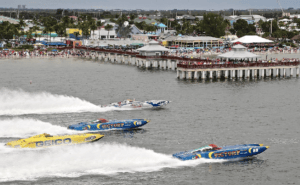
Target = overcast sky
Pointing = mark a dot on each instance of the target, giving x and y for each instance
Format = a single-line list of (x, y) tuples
[(151, 4)]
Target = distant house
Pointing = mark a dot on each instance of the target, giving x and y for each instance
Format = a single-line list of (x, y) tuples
[(134, 31), (74, 18), (199, 17), (179, 17), (297, 16), (189, 17), (251, 19), (142, 16), (161, 28), (147, 21)]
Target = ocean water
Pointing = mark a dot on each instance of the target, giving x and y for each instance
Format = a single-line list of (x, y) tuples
[(46, 95)]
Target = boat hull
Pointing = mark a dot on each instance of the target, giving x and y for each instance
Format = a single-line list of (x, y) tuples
[(137, 104), (45, 140), (110, 125), (227, 152)]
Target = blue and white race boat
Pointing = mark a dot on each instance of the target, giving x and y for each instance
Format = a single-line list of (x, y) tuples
[(103, 124), (129, 103), (225, 152)]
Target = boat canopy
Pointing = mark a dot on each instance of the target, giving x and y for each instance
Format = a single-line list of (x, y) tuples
[(207, 148), (203, 149), (100, 120)]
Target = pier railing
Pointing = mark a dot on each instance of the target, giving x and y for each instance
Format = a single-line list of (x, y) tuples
[(240, 65), (188, 63)]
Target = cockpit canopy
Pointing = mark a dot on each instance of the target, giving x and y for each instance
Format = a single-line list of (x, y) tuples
[(207, 148), (100, 120)]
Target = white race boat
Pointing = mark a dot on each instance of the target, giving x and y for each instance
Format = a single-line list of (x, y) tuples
[(131, 103)]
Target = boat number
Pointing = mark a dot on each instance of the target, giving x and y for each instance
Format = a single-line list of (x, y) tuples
[(53, 142), (255, 150)]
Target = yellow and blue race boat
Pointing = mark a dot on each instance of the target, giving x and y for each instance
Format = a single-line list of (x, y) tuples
[(212, 151), (47, 140)]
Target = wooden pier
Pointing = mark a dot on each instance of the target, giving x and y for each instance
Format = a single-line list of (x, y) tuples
[(240, 70), (188, 68)]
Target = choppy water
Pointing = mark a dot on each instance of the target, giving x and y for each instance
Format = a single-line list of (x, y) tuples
[(67, 91)]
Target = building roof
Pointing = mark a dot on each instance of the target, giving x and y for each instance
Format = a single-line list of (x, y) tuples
[(10, 20), (296, 37), (238, 52), (160, 25), (201, 38), (247, 39), (239, 46), (147, 21), (153, 46)]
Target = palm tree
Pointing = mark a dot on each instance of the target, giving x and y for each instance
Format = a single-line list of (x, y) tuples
[(99, 24), (76, 33), (123, 30), (93, 26), (22, 23), (107, 28)]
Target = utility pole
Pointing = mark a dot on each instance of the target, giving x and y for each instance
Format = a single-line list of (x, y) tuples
[(271, 26)]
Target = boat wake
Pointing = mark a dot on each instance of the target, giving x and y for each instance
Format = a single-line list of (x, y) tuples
[(26, 127), (19, 102), (78, 160)]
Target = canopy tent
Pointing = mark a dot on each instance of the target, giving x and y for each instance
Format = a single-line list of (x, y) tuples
[(137, 44), (38, 44), (153, 46), (238, 52), (55, 44), (247, 39)]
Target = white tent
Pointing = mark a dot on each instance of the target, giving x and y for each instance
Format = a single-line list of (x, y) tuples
[(247, 39), (152, 47), (238, 52), (38, 44)]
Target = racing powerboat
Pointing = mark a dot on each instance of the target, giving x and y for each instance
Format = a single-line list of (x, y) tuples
[(47, 140), (103, 124), (131, 103), (212, 151)]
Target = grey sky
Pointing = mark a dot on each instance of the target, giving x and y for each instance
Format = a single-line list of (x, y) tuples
[(152, 4)]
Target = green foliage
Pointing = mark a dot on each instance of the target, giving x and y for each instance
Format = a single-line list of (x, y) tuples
[(232, 31), (25, 47), (214, 25), (99, 24), (141, 25), (266, 34), (59, 11), (8, 30), (123, 31), (8, 45), (112, 20), (242, 28), (76, 33), (132, 17), (122, 19), (108, 27), (284, 34), (267, 25)]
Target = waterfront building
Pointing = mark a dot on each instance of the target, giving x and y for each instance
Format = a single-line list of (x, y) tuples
[(145, 37), (198, 42)]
